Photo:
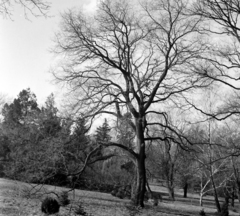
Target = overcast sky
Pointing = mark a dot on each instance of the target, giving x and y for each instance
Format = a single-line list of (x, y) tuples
[(24, 49)]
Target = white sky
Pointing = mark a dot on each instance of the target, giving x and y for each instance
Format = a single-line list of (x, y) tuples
[(24, 49)]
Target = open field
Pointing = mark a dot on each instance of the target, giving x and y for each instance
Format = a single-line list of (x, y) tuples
[(17, 198)]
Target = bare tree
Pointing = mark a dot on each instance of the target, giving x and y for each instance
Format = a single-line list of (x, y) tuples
[(34, 7), (222, 62), (131, 58), (229, 136)]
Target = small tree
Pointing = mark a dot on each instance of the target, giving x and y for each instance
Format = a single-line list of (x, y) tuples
[(184, 170)]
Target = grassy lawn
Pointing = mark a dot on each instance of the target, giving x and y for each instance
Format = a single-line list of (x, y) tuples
[(22, 199)]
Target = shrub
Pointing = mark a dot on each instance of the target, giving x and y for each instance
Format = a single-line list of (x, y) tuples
[(114, 192), (80, 211), (50, 206), (63, 198), (134, 210), (224, 211), (202, 212), (122, 191)]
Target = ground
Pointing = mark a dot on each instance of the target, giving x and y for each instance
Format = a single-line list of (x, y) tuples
[(17, 198)]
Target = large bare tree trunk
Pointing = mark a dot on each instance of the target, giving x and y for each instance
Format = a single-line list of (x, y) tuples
[(141, 170), (141, 183)]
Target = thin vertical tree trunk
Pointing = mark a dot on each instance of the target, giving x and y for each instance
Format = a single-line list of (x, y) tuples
[(215, 195), (171, 193), (185, 188), (233, 196), (232, 201), (170, 183), (238, 195), (201, 198), (238, 189)]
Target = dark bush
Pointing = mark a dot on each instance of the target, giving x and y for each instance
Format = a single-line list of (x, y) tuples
[(114, 192), (81, 211), (50, 206), (224, 209), (58, 179), (120, 194), (122, 191), (63, 198), (202, 212)]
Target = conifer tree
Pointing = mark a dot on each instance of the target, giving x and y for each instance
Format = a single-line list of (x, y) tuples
[(102, 132)]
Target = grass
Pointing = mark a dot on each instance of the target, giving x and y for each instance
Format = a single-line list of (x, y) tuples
[(17, 198)]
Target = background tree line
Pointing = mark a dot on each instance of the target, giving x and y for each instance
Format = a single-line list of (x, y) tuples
[(39, 145)]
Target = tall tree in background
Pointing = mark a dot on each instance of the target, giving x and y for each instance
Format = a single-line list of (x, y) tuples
[(35, 137), (131, 57), (102, 132), (77, 149), (50, 121), (19, 125), (24, 106), (102, 135)]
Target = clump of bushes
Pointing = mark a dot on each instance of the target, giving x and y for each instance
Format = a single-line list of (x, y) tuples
[(134, 210), (81, 211), (63, 198), (50, 206), (202, 213), (224, 211), (122, 192)]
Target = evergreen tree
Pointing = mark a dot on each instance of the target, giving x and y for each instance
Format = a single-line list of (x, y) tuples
[(102, 132), (76, 150), (21, 109), (51, 123), (35, 138)]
